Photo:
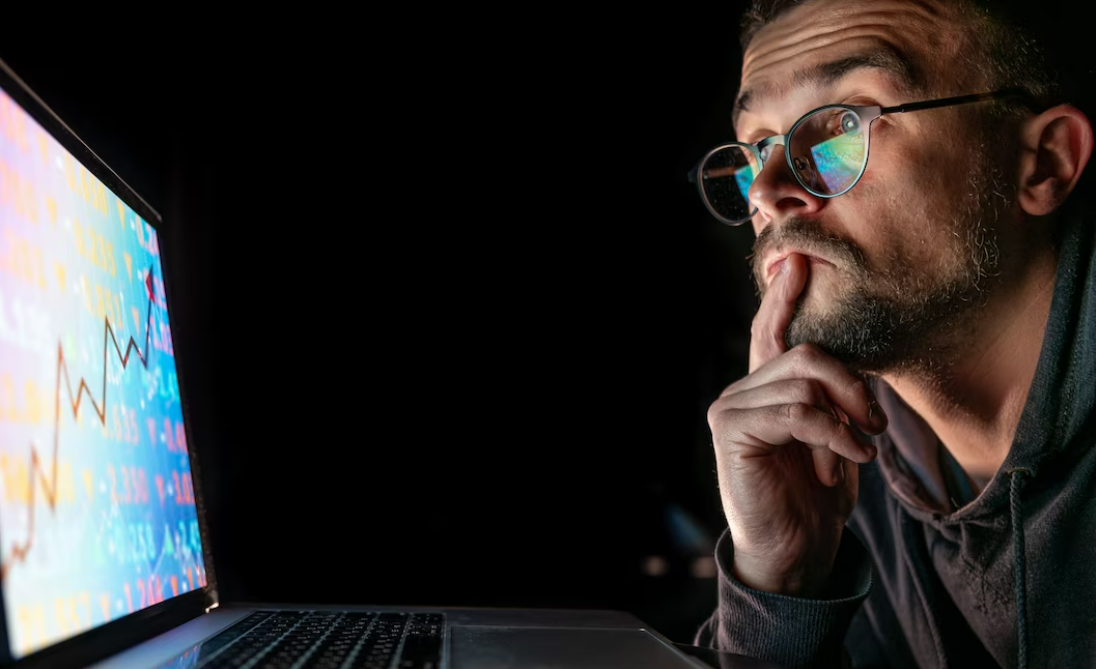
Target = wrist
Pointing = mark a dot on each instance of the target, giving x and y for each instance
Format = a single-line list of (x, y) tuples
[(805, 583), (806, 575)]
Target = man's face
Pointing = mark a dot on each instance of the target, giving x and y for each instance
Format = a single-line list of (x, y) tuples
[(898, 260)]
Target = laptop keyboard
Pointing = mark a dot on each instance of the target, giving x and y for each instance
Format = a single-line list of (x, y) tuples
[(327, 640)]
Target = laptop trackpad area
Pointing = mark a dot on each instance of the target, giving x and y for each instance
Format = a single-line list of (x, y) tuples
[(485, 647)]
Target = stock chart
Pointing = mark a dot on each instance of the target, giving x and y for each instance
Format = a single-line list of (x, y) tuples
[(97, 513)]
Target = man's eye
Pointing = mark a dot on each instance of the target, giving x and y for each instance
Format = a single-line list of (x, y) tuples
[(848, 123)]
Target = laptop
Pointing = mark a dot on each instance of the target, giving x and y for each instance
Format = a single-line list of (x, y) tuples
[(105, 560)]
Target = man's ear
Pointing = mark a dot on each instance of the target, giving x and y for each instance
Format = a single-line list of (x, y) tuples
[(1056, 146)]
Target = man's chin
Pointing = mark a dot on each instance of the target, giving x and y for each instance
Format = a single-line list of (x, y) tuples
[(862, 335)]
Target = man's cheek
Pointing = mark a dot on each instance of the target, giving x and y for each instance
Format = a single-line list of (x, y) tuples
[(826, 284)]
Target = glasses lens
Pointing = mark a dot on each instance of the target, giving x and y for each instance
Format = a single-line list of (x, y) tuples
[(828, 150), (726, 177)]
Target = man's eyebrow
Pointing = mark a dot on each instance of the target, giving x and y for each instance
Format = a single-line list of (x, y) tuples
[(824, 75)]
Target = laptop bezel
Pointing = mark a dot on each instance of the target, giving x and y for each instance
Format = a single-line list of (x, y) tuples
[(116, 635)]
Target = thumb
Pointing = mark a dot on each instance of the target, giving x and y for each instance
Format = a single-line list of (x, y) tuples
[(776, 311)]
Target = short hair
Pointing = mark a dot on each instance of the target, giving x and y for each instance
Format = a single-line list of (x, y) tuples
[(1012, 44)]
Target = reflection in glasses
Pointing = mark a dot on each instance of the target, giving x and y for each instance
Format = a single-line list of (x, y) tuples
[(826, 150)]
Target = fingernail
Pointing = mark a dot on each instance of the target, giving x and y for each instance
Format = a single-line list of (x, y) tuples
[(785, 266), (875, 412)]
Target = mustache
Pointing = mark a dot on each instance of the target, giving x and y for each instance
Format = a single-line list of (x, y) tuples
[(808, 237)]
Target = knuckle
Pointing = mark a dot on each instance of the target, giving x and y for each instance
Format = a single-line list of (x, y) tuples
[(714, 414), (796, 412), (807, 353), (721, 419), (858, 389), (805, 391)]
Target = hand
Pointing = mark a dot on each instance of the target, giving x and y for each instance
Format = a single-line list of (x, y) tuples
[(785, 451)]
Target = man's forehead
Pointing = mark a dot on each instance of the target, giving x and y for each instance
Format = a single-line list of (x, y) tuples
[(817, 43), (899, 69)]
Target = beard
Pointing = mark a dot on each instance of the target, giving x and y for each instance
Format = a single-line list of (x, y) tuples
[(901, 317)]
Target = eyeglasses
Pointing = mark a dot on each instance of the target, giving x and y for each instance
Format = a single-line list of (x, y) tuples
[(826, 150)]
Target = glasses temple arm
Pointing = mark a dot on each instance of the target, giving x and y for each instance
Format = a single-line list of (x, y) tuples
[(1020, 94)]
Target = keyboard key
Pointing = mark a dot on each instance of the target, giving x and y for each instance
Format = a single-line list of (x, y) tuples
[(327, 640)]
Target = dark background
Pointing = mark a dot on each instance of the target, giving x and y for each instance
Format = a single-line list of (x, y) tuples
[(448, 312)]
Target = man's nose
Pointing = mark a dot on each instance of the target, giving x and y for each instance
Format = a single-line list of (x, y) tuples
[(777, 194)]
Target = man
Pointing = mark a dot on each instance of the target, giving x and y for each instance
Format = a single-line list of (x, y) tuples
[(939, 296)]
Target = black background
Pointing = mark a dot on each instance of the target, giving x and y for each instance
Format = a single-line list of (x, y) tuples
[(448, 311)]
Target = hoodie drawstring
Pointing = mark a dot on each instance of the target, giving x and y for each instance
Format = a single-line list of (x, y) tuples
[(1016, 478)]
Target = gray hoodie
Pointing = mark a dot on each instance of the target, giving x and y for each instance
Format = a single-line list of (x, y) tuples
[(932, 576)]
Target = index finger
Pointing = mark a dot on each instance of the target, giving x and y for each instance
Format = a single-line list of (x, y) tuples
[(846, 390), (776, 311)]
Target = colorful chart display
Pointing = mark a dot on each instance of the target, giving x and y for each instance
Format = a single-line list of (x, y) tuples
[(97, 514)]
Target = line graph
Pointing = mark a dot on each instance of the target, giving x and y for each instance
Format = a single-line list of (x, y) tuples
[(49, 485), (81, 561)]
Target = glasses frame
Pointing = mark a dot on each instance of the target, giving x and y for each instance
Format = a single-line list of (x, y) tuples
[(867, 114)]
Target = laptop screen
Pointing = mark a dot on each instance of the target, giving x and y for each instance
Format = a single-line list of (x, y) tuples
[(97, 513)]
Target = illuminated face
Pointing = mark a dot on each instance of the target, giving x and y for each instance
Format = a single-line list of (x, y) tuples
[(900, 260)]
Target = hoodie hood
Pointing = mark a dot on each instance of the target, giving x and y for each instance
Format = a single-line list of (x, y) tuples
[(1040, 497), (1056, 424)]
